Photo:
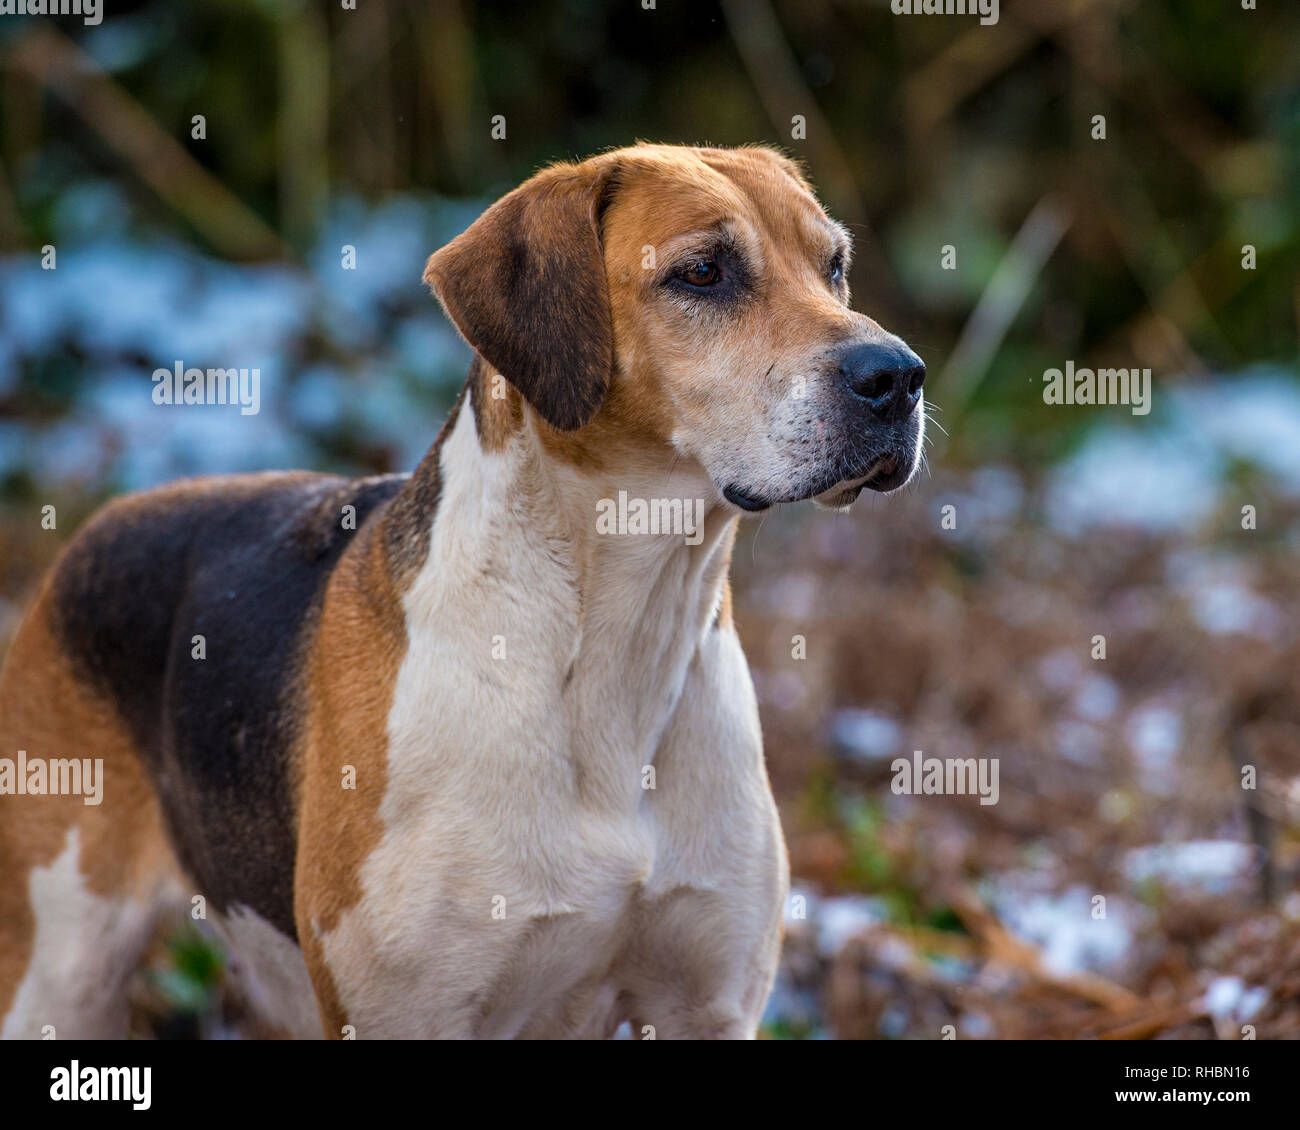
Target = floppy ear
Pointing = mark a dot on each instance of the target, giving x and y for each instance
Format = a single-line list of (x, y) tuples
[(525, 285)]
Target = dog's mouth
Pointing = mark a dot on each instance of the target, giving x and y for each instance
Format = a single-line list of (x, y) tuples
[(885, 473), (745, 501), (888, 472)]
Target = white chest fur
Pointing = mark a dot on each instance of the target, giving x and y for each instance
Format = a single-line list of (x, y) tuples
[(574, 764)]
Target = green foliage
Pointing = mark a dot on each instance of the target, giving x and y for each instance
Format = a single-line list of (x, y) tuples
[(193, 977), (788, 1028)]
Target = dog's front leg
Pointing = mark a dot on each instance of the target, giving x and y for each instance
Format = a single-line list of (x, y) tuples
[(702, 972), (708, 926)]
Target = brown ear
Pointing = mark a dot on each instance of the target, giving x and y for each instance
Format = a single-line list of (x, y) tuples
[(525, 285)]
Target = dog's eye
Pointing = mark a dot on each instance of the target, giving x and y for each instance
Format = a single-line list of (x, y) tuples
[(837, 268), (704, 273)]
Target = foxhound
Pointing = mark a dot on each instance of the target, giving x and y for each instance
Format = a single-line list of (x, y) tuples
[(433, 753)]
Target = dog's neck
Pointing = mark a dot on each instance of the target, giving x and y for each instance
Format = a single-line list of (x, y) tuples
[(599, 622), (513, 518)]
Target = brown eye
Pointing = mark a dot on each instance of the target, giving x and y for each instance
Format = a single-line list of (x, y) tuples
[(704, 273), (837, 268)]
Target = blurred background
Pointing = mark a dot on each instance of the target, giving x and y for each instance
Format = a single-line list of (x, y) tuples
[(198, 170)]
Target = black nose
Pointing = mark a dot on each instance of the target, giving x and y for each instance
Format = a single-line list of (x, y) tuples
[(888, 376)]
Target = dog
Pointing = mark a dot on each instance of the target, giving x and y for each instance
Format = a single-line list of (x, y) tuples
[(434, 756)]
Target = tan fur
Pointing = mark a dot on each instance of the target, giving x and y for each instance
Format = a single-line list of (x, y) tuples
[(725, 619), (361, 642), (498, 408), (123, 853)]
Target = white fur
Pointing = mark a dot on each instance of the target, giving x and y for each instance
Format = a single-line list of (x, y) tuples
[(84, 950), (270, 969), (510, 778)]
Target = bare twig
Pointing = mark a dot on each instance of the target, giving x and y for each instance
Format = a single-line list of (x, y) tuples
[(1001, 301)]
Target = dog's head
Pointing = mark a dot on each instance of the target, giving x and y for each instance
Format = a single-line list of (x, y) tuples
[(691, 298)]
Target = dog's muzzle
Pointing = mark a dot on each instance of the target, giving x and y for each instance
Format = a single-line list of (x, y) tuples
[(883, 380)]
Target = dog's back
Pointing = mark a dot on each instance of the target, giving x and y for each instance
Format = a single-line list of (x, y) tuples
[(168, 641)]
